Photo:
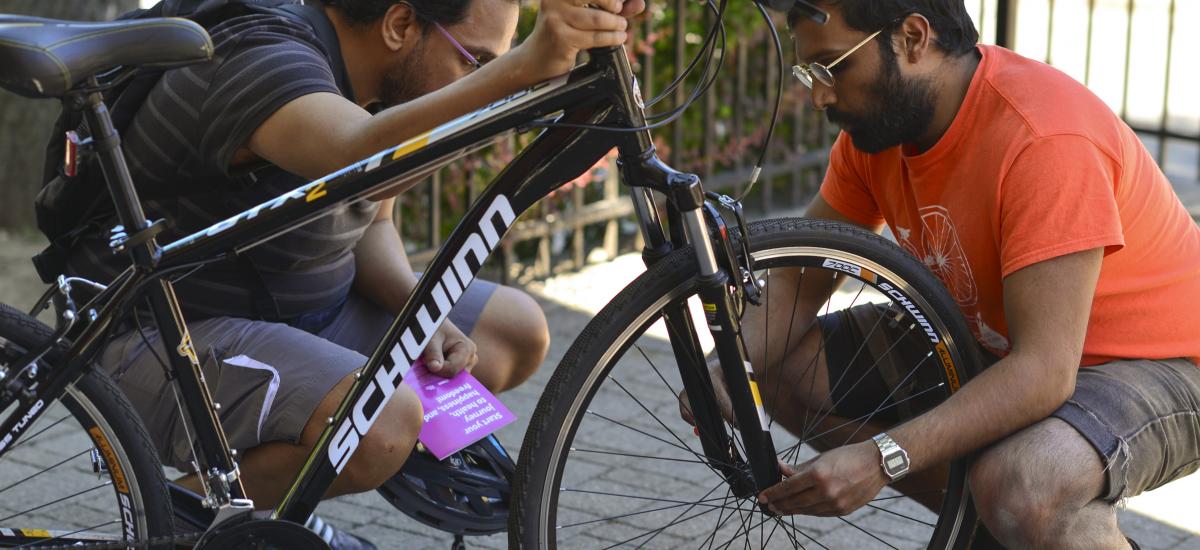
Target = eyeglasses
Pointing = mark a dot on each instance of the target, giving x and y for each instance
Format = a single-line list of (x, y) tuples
[(806, 73), (471, 60)]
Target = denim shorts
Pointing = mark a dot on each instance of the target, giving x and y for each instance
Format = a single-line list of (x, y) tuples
[(1141, 415)]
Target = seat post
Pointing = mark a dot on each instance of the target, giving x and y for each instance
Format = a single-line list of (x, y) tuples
[(107, 145)]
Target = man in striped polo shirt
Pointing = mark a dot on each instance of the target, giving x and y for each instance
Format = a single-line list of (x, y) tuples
[(280, 335)]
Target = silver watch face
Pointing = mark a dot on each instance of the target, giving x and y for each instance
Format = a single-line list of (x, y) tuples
[(896, 463)]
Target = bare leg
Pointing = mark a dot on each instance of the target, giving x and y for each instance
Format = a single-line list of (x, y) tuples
[(269, 469), (513, 339), (1038, 489)]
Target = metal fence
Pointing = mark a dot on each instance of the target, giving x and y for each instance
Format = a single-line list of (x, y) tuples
[(718, 138), (1137, 55), (1130, 52)]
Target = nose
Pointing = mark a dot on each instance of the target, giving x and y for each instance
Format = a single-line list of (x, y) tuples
[(822, 96)]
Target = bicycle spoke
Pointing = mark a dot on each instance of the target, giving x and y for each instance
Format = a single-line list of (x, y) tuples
[(631, 514), (868, 533), (813, 362), (741, 520), (747, 530), (832, 408), (676, 518), (634, 455), (792, 521), (665, 383), (791, 530), (655, 417), (868, 415), (34, 435), (901, 384), (684, 520), (63, 461), (56, 501), (722, 519), (882, 509), (909, 495), (651, 436), (640, 497), (846, 368)]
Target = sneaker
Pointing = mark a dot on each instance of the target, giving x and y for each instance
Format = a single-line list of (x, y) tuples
[(337, 539)]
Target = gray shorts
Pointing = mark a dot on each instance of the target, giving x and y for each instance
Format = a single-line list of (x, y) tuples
[(1141, 415), (268, 377)]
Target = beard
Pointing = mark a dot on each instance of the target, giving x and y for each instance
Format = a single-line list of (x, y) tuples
[(404, 80), (903, 112)]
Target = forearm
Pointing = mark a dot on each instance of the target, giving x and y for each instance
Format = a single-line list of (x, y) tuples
[(1015, 392), (383, 274), (349, 134), (503, 76)]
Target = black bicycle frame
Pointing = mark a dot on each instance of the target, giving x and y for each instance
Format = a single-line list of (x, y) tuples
[(602, 92)]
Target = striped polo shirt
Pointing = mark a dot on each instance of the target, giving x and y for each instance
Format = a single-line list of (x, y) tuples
[(179, 146)]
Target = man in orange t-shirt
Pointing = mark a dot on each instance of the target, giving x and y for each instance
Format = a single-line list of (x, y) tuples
[(1063, 244)]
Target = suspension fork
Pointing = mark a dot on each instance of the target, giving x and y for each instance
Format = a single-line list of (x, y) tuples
[(688, 226), (723, 323), (642, 170)]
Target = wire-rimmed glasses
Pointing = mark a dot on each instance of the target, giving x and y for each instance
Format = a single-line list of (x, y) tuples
[(471, 60), (806, 73)]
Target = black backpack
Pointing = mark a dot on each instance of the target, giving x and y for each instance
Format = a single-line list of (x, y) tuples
[(68, 207)]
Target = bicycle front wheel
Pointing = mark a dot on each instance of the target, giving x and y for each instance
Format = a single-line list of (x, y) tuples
[(608, 462), (85, 471)]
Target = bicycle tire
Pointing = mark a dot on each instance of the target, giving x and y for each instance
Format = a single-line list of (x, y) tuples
[(553, 437), (52, 479)]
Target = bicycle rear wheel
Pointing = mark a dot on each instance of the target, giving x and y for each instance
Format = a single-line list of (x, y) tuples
[(608, 462), (85, 471)]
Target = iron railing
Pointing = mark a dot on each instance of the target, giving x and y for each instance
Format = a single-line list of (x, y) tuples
[(1148, 100), (718, 138)]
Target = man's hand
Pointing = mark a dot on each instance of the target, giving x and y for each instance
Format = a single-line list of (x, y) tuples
[(722, 395), (835, 483), (564, 27), (449, 351)]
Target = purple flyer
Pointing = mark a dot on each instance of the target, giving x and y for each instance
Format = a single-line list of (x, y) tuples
[(458, 411)]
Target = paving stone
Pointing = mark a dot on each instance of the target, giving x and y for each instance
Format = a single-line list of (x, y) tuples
[(1150, 534)]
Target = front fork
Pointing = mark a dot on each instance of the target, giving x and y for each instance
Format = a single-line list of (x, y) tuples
[(759, 469)]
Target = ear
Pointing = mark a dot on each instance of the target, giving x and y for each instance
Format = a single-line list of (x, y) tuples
[(914, 39), (399, 26)]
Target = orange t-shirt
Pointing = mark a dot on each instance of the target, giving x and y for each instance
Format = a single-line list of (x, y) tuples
[(1033, 167)]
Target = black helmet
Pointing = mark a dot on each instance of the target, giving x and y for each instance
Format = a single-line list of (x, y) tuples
[(467, 494)]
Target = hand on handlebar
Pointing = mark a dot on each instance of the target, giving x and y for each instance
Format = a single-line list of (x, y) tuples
[(564, 27)]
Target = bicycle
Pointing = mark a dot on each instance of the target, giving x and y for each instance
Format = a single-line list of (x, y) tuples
[(691, 253)]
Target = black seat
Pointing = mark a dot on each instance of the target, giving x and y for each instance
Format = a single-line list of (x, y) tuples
[(47, 57)]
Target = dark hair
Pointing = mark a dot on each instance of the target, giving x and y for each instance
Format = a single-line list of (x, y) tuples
[(956, 34), (443, 12)]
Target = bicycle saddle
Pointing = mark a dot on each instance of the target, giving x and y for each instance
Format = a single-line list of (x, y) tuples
[(48, 57)]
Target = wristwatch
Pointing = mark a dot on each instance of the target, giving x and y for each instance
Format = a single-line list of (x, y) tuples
[(893, 458)]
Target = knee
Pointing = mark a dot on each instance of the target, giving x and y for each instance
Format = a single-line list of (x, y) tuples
[(1018, 510), (387, 445), (526, 333), (533, 331)]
